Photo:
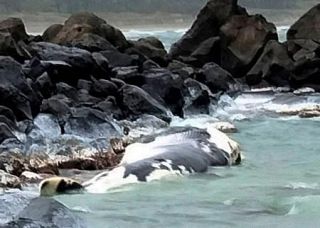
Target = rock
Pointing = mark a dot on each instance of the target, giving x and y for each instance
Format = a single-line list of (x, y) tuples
[(84, 84), (242, 38), (9, 181), (92, 43), (129, 75), (211, 17), (103, 70), (15, 27), (103, 88), (306, 74), (52, 214), (45, 86), (274, 66), (307, 27), (309, 114), (81, 64), (304, 91), (50, 33), (135, 101), (208, 51), (5, 132), (198, 98), (166, 88), (152, 48), (11, 76), (225, 127), (149, 64), (110, 107), (87, 23), (31, 177), (118, 59), (302, 49), (91, 124), (16, 101), (217, 79), (7, 112)]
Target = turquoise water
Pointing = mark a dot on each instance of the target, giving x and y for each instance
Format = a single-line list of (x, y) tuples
[(277, 185)]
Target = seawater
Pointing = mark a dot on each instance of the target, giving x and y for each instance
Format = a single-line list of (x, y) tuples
[(277, 185)]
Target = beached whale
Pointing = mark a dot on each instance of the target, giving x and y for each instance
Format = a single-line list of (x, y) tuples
[(179, 151)]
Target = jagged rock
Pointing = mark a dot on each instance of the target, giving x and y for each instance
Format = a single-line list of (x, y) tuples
[(118, 59), (92, 43), (103, 88), (80, 63), (135, 101), (15, 27), (9, 181), (129, 75), (5, 132), (84, 84), (242, 39), (307, 27), (110, 107), (274, 66), (52, 214), (7, 112), (45, 86), (198, 97), (11, 76), (166, 88), (83, 23), (90, 123), (152, 48), (216, 78), (302, 49), (207, 25)]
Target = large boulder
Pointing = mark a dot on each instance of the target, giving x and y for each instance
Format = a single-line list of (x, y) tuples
[(207, 25), (273, 66), (216, 78), (152, 48), (46, 212), (134, 101), (307, 27), (166, 88), (83, 23), (15, 27), (242, 39), (67, 64)]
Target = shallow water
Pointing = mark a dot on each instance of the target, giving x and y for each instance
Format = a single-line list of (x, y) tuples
[(277, 185)]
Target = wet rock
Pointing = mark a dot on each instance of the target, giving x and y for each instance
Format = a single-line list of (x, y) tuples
[(216, 78), (83, 23), (103, 88), (166, 88), (209, 20), (129, 75), (48, 125), (45, 86), (307, 27), (81, 61), (7, 112), (306, 74), (30, 177), (274, 66), (135, 101), (225, 127), (12, 76), (110, 107), (92, 43), (103, 70), (9, 181), (118, 59), (152, 48), (52, 214), (242, 39), (91, 124), (84, 84), (198, 98)]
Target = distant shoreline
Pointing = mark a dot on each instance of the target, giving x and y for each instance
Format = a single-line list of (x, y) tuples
[(36, 23)]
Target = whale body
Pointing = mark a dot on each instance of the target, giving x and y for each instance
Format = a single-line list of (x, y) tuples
[(176, 152)]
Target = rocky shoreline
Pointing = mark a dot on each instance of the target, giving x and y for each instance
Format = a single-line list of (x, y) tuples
[(82, 86)]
